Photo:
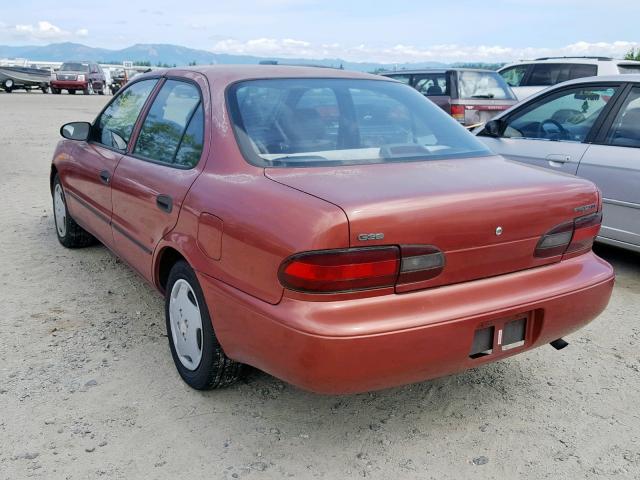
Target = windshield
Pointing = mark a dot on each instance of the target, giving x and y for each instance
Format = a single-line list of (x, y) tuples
[(472, 84), (74, 67), (316, 122)]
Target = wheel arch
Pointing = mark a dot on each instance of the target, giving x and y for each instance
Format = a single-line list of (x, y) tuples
[(52, 176), (166, 258)]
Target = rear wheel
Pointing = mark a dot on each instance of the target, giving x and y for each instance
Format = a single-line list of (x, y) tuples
[(72, 92), (55, 91), (70, 234), (196, 352)]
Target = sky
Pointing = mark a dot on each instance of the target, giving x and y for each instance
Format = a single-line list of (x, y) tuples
[(358, 30)]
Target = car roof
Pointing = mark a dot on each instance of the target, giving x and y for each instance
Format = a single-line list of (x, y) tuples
[(575, 60), (627, 77), (435, 70), (234, 73)]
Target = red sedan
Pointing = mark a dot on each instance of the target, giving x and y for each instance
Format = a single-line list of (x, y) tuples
[(337, 230)]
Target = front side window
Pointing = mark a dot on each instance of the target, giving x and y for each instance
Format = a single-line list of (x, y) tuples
[(431, 84), (514, 75), (164, 128), (114, 126), (625, 131), (317, 122), (478, 84), (568, 115)]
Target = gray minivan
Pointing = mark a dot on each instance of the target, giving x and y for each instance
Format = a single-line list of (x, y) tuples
[(471, 96)]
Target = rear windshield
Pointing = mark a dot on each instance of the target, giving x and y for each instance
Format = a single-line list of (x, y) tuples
[(317, 122), (629, 68), (74, 67), (483, 85)]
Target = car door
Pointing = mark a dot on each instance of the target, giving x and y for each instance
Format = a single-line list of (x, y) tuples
[(91, 167), (435, 86), (153, 178), (613, 163), (551, 131)]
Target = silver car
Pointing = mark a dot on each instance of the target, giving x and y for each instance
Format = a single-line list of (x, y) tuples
[(588, 127)]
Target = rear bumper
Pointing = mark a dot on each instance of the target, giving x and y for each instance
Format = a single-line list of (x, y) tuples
[(372, 343), (69, 84)]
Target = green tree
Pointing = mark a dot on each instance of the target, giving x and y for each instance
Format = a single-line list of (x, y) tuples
[(633, 54)]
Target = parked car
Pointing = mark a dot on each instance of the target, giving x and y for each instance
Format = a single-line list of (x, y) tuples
[(471, 96), (588, 127), (121, 76), (86, 77), (335, 229), (529, 77)]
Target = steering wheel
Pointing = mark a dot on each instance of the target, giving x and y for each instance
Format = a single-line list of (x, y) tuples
[(562, 132)]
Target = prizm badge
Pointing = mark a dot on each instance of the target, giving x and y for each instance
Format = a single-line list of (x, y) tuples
[(364, 237), (584, 208)]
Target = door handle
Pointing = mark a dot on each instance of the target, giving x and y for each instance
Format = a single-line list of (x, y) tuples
[(164, 203), (105, 177), (558, 160)]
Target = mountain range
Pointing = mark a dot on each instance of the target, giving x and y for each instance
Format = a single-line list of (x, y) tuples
[(167, 54)]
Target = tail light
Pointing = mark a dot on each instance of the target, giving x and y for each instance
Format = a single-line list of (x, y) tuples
[(571, 238), (457, 112), (353, 269)]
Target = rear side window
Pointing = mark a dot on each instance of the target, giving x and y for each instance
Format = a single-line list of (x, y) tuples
[(114, 126), (431, 84), (401, 78), (625, 131), (546, 74), (514, 75), (166, 124), (318, 122), (629, 68)]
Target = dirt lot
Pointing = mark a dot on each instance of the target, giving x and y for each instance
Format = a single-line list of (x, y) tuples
[(88, 388)]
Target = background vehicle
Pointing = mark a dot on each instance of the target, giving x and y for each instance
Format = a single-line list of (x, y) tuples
[(120, 77), (529, 77), (87, 77), (588, 127), (471, 96), (392, 198), (24, 78)]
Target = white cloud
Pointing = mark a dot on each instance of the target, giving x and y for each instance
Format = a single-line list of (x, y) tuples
[(40, 31), (401, 53)]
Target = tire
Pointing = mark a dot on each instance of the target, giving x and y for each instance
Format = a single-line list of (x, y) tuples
[(55, 91), (89, 89), (70, 234), (101, 92), (72, 92), (186, 312)]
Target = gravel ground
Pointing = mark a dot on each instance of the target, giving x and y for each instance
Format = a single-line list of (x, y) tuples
[(88, 388)]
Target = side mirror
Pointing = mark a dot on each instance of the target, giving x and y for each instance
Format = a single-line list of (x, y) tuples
[(76, 131), (493, 128)]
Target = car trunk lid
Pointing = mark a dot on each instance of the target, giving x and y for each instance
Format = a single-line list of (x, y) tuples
[(486, 214)]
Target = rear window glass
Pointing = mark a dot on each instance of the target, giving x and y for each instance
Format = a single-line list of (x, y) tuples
[(629, 68), (317, 122), (74, 67), (546, 74), (473, 84)]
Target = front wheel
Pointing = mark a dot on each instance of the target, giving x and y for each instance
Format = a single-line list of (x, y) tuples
[(89, 89), (70, 234), (196, 352)]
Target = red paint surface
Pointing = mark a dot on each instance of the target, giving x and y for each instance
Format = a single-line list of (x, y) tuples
[(343, 342)]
